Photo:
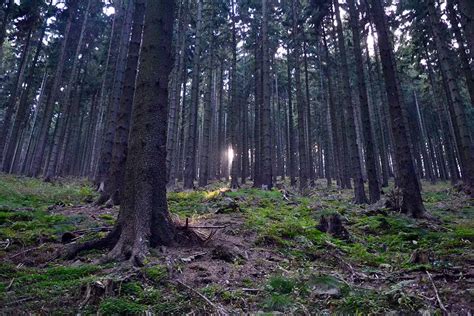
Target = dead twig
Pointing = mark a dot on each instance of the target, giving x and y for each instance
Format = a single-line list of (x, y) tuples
[(10, 285), (441, 305), (219, 309)]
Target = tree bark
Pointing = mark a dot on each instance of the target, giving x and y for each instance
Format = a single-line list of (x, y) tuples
[(370, 158), (412, 203), (359, 192), (191, 131)]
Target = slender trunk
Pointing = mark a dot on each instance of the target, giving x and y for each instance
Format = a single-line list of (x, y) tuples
[(52, 96), (300, 100), (466, 151), (267, 170), (359, 192), (191, 132), (11, 105), (370, 157)]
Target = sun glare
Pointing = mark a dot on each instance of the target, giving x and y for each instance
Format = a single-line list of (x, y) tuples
[(230, 155)]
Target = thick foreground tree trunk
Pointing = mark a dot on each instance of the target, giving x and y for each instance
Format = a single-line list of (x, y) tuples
[(144, 219)]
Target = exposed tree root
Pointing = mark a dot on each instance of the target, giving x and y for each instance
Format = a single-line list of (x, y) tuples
[(134, 248), (102, 243)]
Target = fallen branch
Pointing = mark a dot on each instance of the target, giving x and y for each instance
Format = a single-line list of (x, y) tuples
[(219, 309), (26, 251), (441, 305)]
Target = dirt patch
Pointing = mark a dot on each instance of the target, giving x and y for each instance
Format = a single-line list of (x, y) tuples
[(229, 259)]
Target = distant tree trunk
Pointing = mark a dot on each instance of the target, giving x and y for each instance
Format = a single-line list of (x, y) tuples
[(191, 131), (12, 101), (207, 124), (3, 28), (370, 158), (332, 115), (309, 120), (291, 128), (114, 183), (412, 203), (144, 219), (23, 106), (466, 150), (65, 111), (379, 127), (176, 82), (466, 8), (52, 96), (267, 170), (427, 159), (234, 107), (359, 192), (107, 141), (300, 100), (453, 18), (257, 175), (220, 122)]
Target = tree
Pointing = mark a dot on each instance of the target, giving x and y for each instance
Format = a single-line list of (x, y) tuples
[(300, 99), (370, 162), (192, 117), (144, 219), (349, 117), (412, 203)]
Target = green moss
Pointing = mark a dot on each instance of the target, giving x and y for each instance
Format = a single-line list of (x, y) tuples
[(120, 306), (155, 273), (277, 302), (281, 285)]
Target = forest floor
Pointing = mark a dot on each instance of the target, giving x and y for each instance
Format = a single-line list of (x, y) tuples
[(265, 256)]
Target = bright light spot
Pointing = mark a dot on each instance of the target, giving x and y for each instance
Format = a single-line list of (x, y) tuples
[(109, 11), (230, 155)]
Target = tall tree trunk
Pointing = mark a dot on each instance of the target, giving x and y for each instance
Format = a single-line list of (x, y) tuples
[(234, 108), (207, 121), (332, 113), (114, 183), (191, 131), (52, 96), (309, 120), (370, 158), (359, 192), (291, 128), (176, 82), (467, 12), (12, 100), (123, 38), (412, 203), (3, 28), (267, 170), (453, 18), (144, 219), (466, 150), (300, 99)]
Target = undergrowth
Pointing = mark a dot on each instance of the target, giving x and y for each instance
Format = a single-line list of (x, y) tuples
[(380, 243)]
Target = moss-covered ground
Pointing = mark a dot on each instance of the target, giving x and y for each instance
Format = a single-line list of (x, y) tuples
[(279, 262)]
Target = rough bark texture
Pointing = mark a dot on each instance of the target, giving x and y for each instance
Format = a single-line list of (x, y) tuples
[(266, 172), (300, 101), (144, 219), (412, 203), (459, 116), (191, 131), (370, 158), (119, 152), (51, 99), (359, 192)]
